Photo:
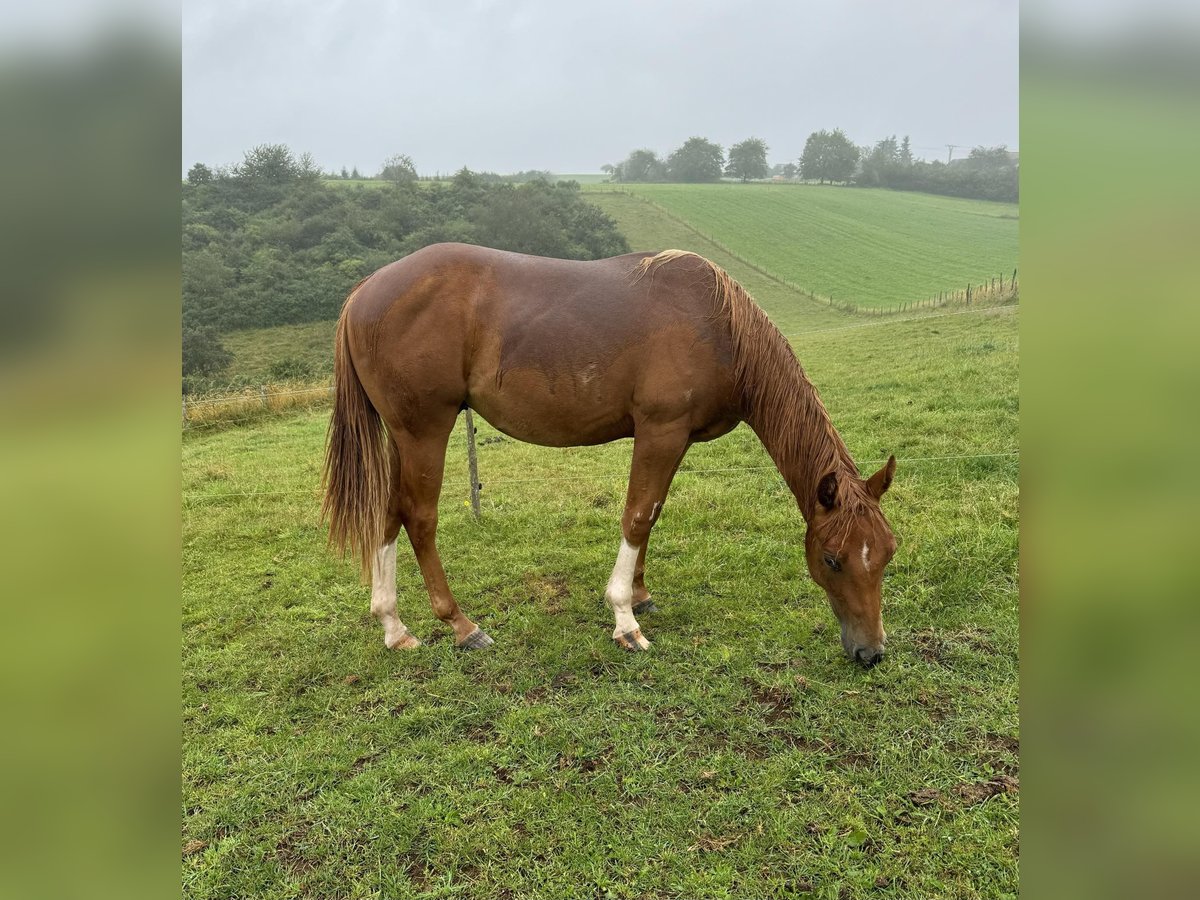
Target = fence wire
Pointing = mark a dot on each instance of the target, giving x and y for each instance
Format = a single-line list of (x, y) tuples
[(314, 491)]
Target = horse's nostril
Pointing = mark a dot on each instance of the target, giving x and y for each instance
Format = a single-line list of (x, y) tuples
[(868, 657)]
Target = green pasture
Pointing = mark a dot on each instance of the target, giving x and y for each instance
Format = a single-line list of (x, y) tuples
[(741, 757), (871, 248)]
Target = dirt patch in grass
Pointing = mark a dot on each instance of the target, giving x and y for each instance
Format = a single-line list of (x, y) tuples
[(365, 760), (290, 853), (925, 797), (547, 592), (971, 794), (941, 647), (776, 702), (414, 868), (968, 793), (1004, 743), (482, 733)]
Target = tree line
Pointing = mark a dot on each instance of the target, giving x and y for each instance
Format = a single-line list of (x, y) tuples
[(401, 169), (830, 156), (268, 242)]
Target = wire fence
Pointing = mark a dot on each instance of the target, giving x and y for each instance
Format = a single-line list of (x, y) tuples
[(198, 497)]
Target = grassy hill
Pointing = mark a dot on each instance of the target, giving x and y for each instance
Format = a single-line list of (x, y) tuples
[(869, 247)]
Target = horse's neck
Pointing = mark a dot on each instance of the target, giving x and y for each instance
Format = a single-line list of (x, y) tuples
[(794, 427)]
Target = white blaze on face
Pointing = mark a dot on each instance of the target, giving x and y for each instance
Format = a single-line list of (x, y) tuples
[(866, 554), (383, 595), (620, 591)]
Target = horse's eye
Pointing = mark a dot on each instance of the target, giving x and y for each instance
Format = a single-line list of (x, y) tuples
[(832, 562)]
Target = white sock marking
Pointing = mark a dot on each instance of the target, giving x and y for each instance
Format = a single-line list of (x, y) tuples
[(620, 591), (383, 595)]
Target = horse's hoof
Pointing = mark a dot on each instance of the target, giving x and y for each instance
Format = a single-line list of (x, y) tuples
[(405, 642), (476, 640), (646, 606), (633, 641)]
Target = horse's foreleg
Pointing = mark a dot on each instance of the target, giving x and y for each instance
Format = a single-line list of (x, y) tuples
[(656, 456), (422, 464)]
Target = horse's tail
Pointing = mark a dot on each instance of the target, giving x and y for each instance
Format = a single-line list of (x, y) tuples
[(357, 473)]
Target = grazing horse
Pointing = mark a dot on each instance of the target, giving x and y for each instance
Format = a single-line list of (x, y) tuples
[(665, 348)]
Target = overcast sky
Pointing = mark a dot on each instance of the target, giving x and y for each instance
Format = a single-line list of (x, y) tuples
[(568, 86)]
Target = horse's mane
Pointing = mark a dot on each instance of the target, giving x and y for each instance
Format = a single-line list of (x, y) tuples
[(778, 400)]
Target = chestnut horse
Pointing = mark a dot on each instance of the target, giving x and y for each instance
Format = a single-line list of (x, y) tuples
[(665, 348)]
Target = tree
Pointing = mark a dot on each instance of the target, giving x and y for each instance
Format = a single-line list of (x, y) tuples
[(199, 174), (696, 161), (879, 163), (790, 170), (906, 157), (271, 163), (354, 174), (748, 159), (640, 165), (828, 155), (989, 158), (400, 169), (345, 175), (203, 352)]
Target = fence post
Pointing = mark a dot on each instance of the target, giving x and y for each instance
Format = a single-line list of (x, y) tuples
[(473, 465)]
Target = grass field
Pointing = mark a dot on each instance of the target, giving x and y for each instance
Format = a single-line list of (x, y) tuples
[(741, 757), (873, 248)]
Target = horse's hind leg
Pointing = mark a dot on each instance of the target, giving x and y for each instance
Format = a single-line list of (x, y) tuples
[(422, 462), (396, 635), (657, 453)]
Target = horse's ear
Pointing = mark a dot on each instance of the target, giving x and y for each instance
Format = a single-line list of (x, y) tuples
[(878, 483), (827, 490)]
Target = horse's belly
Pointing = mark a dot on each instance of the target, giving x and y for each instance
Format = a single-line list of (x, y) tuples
[(564, 411)]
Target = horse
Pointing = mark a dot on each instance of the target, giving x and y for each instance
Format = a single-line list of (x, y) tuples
[(663, 347)]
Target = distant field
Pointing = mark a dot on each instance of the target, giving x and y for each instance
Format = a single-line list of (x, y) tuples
[(582, 178), (869, 247), (256, 350)]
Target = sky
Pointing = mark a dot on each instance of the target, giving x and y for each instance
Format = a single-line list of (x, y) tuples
[(569, 86)]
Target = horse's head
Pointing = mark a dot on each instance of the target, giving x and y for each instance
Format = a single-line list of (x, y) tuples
[(848, 544)]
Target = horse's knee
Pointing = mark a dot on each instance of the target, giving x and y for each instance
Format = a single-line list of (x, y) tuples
[(639, 522)]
